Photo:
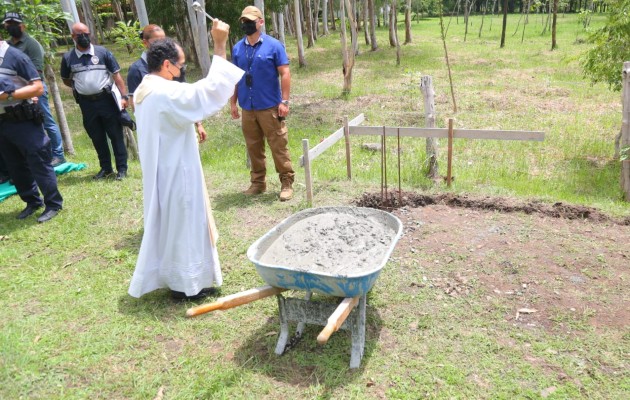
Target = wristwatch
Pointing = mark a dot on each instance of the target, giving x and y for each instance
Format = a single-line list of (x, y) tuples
[(9, 96), (285, 102), (124, 97)]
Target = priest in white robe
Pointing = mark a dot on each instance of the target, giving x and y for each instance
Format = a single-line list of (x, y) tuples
[(178, 249)]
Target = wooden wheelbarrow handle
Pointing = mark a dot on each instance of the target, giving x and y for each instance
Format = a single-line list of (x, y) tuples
[(337, 318), (235, 300)]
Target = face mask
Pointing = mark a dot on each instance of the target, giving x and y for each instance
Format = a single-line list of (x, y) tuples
[(15, 31), (83, 40), (249, 27)]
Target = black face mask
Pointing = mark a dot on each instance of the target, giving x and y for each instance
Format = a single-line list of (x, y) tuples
[(15, 31), (83, 40), (249, 27)]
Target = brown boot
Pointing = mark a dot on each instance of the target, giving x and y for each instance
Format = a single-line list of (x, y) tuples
[(286, 193), (254, 189)]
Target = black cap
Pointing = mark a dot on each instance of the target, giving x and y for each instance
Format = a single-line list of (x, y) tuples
[(12, 16)]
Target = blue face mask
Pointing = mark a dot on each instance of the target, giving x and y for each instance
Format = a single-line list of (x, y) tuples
[(249, 27)]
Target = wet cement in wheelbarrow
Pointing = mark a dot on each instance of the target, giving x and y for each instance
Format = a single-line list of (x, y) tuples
[(333, 243)]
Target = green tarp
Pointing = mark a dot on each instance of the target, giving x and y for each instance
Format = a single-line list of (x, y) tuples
[(6, 189)]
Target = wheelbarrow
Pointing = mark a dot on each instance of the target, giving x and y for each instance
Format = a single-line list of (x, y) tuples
[(333, 251)]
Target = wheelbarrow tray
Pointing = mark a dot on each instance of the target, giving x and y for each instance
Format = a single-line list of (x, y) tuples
[(331, 279)]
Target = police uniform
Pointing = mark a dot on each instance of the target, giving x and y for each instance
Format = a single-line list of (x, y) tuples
[(91, 73), (23, 142)]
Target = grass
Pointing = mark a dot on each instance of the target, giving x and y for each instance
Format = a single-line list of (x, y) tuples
[(68, 329)]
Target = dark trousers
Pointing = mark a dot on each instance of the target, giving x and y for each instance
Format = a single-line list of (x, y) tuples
[(3, 167), (26, 151), (101, 119)]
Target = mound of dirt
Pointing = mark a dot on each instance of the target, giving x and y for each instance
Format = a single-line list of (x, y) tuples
[(505, 205)]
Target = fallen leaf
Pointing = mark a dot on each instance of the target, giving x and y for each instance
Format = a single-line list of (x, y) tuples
[(272, 333), (37, 338), (527, 310)]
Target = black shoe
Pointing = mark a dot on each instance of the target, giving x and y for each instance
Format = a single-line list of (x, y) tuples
[(57, 161), (201, 295), (28, 211), (3, 179), (102, 174), (121, 175), (47, 215)]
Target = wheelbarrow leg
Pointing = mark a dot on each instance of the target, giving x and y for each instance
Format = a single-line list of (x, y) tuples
[(284, 325), (301, 325), (358, 334)]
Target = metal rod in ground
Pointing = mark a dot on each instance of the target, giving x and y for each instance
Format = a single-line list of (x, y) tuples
[(399, 185), (385, 164), (450, 152)]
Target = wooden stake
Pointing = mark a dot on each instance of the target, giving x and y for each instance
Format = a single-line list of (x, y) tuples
[(346, 133), (307, 172), (450, 152)]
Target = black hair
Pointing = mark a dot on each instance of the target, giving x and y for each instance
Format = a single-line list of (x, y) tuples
[(160, 51)]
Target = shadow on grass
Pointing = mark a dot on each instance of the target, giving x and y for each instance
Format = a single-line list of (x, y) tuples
[(226, 201), (306, 363), (159, 305)]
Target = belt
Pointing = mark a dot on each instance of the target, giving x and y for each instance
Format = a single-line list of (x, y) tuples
[(96, 96)]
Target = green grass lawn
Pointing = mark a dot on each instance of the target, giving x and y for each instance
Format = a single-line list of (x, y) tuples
[(68, 329)]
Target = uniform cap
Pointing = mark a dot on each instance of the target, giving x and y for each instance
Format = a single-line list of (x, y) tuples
[(12, 16), (251, 13)]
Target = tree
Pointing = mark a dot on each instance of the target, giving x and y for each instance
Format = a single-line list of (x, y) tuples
[(603, 62)]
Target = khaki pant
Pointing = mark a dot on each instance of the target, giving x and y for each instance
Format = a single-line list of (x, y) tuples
[(259, 125)]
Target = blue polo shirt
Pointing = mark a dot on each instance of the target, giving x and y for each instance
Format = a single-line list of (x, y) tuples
[(261, 61), (91, 70)]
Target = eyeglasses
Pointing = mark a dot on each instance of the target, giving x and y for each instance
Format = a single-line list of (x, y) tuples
[(181, 67)]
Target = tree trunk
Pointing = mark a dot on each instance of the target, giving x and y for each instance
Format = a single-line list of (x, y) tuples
[(554, 45), (66, 137), (88, 15), (120, 16), (333, 25), (325, 18), (348, 56), (298, 33), (366, 17), (199, 30), (372, 13), (309, 23), (354, 34), (505, 6), (426, 86), (281, 29), (392, 24), (408, 22), (316, 20), (625, 131)]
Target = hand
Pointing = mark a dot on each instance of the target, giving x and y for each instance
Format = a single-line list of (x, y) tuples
[(201, 132), (123, 103), (234, 111), (220, 31), (35, 100), (283, 110)]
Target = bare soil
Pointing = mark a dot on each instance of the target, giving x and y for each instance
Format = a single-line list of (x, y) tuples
[(555, 264)]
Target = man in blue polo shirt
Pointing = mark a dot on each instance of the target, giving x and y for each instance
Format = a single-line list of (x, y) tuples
[(264, 100), (91, 71)]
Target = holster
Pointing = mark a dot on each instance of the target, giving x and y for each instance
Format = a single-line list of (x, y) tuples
[(24, 111)]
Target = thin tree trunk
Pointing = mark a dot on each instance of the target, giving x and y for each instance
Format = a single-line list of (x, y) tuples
[(120, 16), (408, 22), (625, 130), (372, 13), (392, 24), (426, 86), (333, 25), (325, 18), (348, 56), (505, 5), (309, 23), (316, 20), (526, 20), (298, 33), (554, 45), (366, 16), (281, 29), (88, 15)]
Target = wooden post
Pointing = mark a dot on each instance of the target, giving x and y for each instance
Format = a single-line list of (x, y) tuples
[(625, 130), (426, 86), (307, 172), (450, 152), (346, 134)]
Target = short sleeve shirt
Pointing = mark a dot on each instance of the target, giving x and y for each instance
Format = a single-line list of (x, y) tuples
[(90, 71), (136, 72), (16, 64), (261, 61)]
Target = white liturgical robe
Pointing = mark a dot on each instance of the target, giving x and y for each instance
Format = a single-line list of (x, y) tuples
[(178, 249)]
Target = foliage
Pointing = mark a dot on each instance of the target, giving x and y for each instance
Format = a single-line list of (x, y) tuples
[(44, 19), (126, 34), (611, 48), (625, 154)]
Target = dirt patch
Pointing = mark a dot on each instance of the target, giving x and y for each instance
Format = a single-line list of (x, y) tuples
[(555, 266)]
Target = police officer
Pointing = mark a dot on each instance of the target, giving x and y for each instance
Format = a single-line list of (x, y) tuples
[(89, 70), (21, 40), (23, 142)]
